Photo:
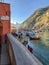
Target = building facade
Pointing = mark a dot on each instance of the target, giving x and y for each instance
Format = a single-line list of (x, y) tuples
[(4, 20)]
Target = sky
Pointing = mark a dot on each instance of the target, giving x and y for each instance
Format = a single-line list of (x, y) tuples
[(22, 9)]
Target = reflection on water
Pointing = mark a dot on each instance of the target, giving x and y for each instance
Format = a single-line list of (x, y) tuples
[(44, 37), (42, 46)]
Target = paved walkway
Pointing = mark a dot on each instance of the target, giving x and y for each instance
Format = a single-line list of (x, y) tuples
[(21, 53), (4, 58)]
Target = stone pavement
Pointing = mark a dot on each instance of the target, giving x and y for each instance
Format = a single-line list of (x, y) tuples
[(4, 58)]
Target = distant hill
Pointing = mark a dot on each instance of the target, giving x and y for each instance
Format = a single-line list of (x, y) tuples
[(39, 20)]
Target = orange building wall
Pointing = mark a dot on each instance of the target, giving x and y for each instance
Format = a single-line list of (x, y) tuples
[(5, 11)]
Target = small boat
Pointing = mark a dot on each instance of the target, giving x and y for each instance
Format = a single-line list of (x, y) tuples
[(34, 38), (30, 49), (25, 43)]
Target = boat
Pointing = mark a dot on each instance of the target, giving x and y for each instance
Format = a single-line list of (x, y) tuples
[(25, 43), (34, 38), (30, 49)]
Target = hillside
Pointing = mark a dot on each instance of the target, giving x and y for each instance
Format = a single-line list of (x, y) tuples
[(39, 20)]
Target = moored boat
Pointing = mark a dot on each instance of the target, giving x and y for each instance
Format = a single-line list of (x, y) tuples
[(34, 38), (30, 49)]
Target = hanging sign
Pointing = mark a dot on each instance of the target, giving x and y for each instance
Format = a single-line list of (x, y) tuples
[(4, 18)]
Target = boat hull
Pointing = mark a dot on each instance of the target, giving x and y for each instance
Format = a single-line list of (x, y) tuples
[(31, 38), (30, 49)]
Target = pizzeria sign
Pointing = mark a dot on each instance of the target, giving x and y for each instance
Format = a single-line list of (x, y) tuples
[(4, 18)]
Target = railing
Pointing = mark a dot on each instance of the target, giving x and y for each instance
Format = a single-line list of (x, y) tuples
[(19, 54)]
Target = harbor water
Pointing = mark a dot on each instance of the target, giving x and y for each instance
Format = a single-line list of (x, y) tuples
[(41, 47)]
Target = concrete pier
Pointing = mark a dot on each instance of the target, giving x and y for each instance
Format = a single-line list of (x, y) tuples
[(21, 54)]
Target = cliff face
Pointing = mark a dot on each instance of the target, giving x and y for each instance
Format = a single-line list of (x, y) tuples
[(39, 20)]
